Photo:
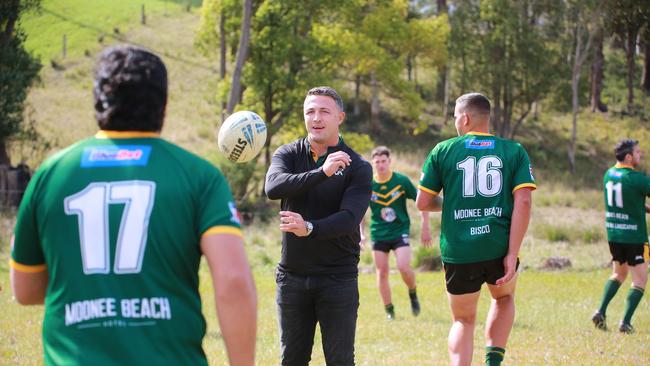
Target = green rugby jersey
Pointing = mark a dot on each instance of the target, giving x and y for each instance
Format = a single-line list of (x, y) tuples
[(390, 219), (625, 193), (116, 220), (479, 174)]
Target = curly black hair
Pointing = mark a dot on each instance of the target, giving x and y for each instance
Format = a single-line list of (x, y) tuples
[(130, 90), (624, 147)]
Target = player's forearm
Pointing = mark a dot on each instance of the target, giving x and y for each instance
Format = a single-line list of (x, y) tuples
[(424, 215), (519, 223), (237, 312)]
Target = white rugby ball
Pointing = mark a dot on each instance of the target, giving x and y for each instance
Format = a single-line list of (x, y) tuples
[(242, 136)]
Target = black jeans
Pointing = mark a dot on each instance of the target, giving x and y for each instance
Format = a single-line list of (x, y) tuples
[(330, 300)]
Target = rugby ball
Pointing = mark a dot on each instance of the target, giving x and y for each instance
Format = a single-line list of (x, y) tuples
[(242, 136)]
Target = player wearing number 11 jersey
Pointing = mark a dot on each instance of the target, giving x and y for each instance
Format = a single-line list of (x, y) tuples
[(625, 209), (487, 183), (110, 234)]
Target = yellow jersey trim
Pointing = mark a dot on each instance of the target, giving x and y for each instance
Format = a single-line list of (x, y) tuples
[(389, 193), (383, 181), (479, 133), (222, 229), (525, 185), (427, 190), (27, 268), (106, 134), (391, 201), (621, 165)]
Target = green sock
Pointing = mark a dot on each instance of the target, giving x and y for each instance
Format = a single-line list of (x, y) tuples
[(494, 355), (611, 286), (633, 297), (390, 309)]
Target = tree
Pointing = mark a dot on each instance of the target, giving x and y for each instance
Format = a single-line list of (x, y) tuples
[(597, 71), (506, 49), (375, 41), (219, 29), (624, 19), (242, 54), (645, 42), (579, 14), (18, 71)]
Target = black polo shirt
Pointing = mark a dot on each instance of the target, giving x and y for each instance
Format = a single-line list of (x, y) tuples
[(334, 205)]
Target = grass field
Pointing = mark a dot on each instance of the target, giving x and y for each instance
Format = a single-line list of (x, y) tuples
[(552, 325)]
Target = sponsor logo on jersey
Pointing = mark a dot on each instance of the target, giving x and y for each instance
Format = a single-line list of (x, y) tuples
[(236, 218), (117, 155), (388, 214), (615, 173), (530, 169), (479, 144)]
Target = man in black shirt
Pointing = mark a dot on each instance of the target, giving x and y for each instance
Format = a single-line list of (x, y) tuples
[(324, 187)]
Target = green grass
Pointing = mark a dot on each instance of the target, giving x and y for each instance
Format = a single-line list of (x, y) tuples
[(85, 22), (552, 327)]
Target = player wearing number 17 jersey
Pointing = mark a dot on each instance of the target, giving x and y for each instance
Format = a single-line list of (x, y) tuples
[(625, 209), (487, 183), (110, 234)]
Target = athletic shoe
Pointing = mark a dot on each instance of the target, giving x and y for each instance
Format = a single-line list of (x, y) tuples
[(599, 321), (390, 313), (415, 306), (626, 328)]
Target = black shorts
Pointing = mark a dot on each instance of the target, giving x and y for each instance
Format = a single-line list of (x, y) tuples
[(467, 278), (388, 245), (631, 254)]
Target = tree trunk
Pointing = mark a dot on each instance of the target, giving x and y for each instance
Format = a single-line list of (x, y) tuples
[(630, 48), (4, 154), (357, 97), (445, 98), (574, 118), (374, 104), (222, 61), (409, 68), (579, 57), (8, 30), (242, 53), (597, 73), (645, 78), (442, 7)]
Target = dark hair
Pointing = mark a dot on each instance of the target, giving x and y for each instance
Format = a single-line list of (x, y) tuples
[(380, 150), (476, 102), (624, 147), (328, 92), (130, 90)]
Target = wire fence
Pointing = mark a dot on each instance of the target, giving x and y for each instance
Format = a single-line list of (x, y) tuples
[(121, 38)]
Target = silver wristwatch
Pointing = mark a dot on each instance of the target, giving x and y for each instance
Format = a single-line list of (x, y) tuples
[(309, 226)]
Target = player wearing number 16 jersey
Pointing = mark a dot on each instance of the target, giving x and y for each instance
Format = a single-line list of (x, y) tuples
[(110, 233), (625, 209), (487, 183)]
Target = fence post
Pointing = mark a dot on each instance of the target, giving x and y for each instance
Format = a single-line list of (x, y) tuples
[(143, 16), (65, 45)]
